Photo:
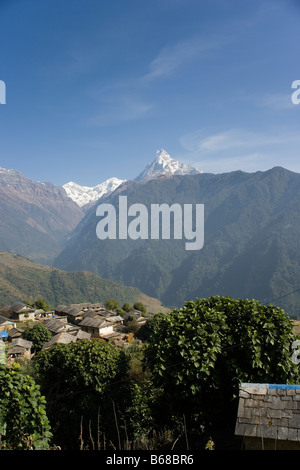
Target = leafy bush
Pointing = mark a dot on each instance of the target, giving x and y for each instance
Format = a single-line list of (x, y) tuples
[(38, 334), (80, 380), (23, 421), (111, 304), (140, 306), (127, 307), (201, 353)]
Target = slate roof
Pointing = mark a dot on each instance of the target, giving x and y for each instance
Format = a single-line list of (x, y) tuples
[(141, 318), (5, 320), (95, 313), (134, 313), (95, 322), (63, 337), (104, 318), (14, 333), (77, 309), (20, 307), (23, 343), (72, 310), (18, 346), (56, 326), (115, 319), (82, 335), (270, 411)]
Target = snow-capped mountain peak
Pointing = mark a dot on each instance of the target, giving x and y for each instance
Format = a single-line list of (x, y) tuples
[(163, 157), (164, 164), (83, 195)]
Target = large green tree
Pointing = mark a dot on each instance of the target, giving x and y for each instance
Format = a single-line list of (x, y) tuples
[(38, 334), (84, 382), (140, 306), (200, 354), (23, 421)]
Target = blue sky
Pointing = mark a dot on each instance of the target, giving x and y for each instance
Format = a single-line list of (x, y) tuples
[(95, 87)]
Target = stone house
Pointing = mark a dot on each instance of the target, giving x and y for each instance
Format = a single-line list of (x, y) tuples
[(93, 320), (21, 312), (6, 324), (66, 338), (19, 349), (268, 416), (14, 333), (75, 312), (58, 325), (137, 316), (72, 312), (100, 326)]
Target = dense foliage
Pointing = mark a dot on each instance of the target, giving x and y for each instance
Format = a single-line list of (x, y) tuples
[(139, 306), (111, 304), (38, 334), (201, 353), (81, 380), (23, 421)]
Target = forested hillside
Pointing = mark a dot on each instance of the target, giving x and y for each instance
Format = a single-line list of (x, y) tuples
[(251, 240), (21, 279)]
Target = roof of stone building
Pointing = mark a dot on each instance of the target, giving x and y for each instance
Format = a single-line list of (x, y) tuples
[(78, 309), (270, 411), (64, 338)]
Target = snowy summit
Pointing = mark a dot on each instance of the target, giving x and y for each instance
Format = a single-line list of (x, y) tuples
[(83, 195), (165, 165), (162, 165)]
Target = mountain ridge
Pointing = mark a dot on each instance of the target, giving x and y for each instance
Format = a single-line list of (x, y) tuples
[(84, 195), (35, 217), (22, 279), (251, 247), (162, 165)]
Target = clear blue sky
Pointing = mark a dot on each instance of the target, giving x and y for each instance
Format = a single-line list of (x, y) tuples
[(95, 87)]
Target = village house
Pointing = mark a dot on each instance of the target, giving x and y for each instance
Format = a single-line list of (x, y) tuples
[(19, 349), (67, 323), (268, 416), (100, 324), (91, 318), (62, 337), (66, 338), (97, 327), (74, 312), (22, 312), (14, 333), (57, 325), (6, 324), (137, 316), (19, 312)]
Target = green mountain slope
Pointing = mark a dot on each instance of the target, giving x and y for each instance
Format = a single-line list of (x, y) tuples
[(251, 247), (22, 279)]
